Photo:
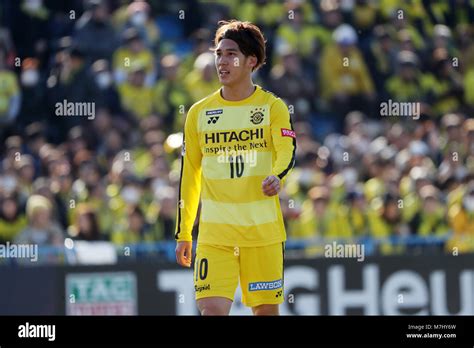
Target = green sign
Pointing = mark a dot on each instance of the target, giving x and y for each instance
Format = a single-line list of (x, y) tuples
[(112, 293)]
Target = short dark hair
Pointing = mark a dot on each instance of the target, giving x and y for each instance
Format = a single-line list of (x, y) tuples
[(248, 37)]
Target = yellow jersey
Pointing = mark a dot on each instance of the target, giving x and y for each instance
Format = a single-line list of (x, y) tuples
[(229, 148)]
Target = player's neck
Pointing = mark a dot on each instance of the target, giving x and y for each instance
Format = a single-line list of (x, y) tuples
[(238, 92)]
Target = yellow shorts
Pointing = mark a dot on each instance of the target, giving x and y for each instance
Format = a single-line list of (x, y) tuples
[(217, 270)]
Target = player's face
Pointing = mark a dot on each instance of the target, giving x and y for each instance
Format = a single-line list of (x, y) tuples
[(231, 64)]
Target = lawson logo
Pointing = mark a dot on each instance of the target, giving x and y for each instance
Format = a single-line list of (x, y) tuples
[(257, 286)]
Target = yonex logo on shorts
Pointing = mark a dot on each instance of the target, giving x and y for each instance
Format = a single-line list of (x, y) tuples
[(257, 286)]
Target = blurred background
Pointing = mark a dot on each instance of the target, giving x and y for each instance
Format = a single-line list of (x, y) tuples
[(101, 187)]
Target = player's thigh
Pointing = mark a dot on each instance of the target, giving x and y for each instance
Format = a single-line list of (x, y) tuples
[(216, 272), (261, 275)]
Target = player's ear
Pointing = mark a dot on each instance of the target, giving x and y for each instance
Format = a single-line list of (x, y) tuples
[(252, 62)]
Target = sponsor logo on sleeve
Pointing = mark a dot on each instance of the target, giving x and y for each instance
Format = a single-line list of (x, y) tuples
[(288, 133)]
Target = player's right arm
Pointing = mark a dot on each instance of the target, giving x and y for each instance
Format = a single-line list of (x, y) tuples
[(189, 189)]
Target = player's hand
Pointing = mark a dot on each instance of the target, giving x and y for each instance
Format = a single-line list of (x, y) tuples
[(184, 253), (271, 185)]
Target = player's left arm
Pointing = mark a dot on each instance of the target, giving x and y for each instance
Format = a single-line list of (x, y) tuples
[(284, 142)]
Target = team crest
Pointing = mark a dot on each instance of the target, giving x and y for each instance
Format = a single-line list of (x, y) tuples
[(256, 116)]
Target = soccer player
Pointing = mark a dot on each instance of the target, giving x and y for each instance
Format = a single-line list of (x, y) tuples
[(239, 145)]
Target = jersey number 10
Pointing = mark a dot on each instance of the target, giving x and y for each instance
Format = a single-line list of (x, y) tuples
[(238, 169)]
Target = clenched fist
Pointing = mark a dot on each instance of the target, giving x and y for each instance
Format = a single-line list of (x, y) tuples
[(271, 185)]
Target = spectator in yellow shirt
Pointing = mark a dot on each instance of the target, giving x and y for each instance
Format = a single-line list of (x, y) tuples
[(469, 87), (345, 79), (318, 219), (42, 228), (469, 143), (136, 97), (137, 15), (431, 219), (290, 83), (356, 213), (202, 81), (10, 94), (134, 228), (132, 53), (445, 84), (461, 219), (383, 52), (385, 221), (296, 35), (266, 13), (170, 97), (408, 84), (12, 220)]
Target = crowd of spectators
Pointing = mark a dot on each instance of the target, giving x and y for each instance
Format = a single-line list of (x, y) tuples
[(138, 66)]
